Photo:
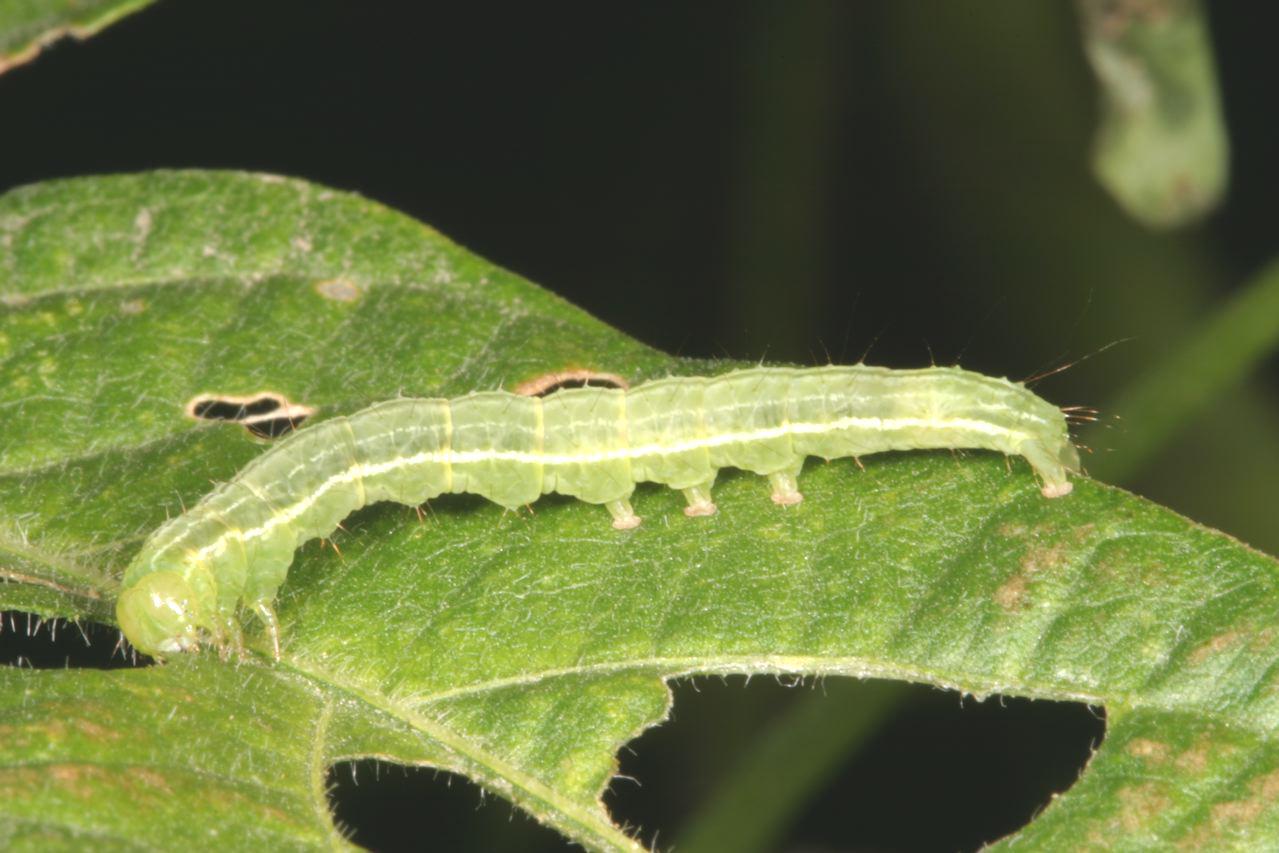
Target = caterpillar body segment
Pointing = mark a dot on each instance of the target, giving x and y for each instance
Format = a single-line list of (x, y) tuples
[(198, 573)]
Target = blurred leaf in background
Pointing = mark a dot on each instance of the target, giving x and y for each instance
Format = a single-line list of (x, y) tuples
[(26, 26), (1162, 148)]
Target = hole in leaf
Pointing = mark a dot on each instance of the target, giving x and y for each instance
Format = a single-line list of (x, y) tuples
[(390, 807), (227, 410), (265, 415), (273, 427), (27, 640), (549, 383), (934, 772)]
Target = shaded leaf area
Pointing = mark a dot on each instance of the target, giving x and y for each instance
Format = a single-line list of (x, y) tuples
[(522, 649), (27, 26), (92, 759)]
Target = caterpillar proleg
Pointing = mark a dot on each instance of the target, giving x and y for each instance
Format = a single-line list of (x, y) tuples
[(199, 572)]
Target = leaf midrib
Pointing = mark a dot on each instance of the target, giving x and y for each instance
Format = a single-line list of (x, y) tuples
[(669, 667)]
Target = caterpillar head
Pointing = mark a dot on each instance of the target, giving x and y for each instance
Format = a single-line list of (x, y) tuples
[(159, 614)]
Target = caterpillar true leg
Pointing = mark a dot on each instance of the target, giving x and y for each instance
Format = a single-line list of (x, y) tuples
[(699, 501)]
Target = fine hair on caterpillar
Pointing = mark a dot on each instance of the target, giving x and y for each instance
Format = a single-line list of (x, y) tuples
[(200, 572)]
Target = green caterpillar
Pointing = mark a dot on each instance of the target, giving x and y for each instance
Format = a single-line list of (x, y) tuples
[(232, 550)]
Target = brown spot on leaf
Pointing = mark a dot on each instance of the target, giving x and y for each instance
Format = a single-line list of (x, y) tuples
[(152, 779), (90, 729), (1267, 787), (338, 289), (1141, 803), (1039, 558), (1195, 759), (1237, 811), (142, 224), (1218, 644), (1009, 595), (1149, 749), (1083, 533), (78, 780)]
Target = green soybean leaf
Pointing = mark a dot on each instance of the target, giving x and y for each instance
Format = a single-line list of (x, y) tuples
[(26, 26), (523, 649)]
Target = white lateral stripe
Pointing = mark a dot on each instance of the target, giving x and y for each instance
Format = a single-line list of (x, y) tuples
[(454, 457)]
